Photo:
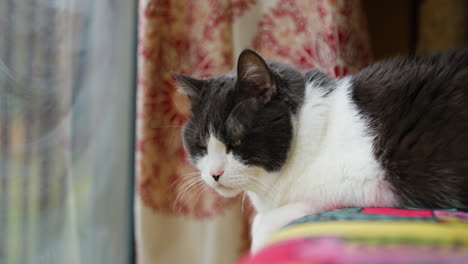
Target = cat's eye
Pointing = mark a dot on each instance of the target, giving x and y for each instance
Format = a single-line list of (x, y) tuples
[(236, 143), (201, 146)]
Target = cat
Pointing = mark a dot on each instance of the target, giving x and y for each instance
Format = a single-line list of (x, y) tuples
[(392, 135)]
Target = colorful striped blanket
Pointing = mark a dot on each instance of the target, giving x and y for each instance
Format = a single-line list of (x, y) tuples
[(370, 235)]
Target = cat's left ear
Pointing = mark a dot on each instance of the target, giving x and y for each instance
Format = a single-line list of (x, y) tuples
[(190, 86), (254, 78)]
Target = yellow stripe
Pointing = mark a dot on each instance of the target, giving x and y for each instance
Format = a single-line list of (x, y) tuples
[(444, 233)]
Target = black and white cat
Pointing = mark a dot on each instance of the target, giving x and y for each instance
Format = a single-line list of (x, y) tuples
[(395, 134)]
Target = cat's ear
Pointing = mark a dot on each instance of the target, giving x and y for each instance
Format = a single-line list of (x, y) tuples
[(254, 78), (190, 86)]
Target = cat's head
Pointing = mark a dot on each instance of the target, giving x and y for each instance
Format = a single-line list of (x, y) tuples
[(242, 124)]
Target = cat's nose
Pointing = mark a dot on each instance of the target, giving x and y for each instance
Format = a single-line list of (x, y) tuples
[(216, 174)]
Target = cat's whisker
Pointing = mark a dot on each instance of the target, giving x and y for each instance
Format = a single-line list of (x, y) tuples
[(259, 185), (184, 177), (243, 200), (181, 198), (190, 182), (186, 187), (196, 193), (253, 186), (262, 183), (191, 131), (268, 190)]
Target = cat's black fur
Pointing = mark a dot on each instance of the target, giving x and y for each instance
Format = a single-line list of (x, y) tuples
[(418, 111)]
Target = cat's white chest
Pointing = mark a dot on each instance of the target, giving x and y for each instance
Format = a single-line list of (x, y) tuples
[(330, 163)]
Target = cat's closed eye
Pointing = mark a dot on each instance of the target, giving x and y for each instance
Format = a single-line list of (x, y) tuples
[(236, 143), (201, 146)]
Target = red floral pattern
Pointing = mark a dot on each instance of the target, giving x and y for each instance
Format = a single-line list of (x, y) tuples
[(192, 38), (330, 35)]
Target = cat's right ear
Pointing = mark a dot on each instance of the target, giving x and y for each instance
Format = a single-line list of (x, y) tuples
[(254, 78), (190, 86)]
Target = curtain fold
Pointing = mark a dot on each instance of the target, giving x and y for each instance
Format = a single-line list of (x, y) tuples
[(177, 222)]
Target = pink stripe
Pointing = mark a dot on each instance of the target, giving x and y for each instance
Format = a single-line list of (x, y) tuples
[(397, 212)]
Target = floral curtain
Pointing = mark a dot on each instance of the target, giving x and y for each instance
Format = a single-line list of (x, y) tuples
[(177, 221)]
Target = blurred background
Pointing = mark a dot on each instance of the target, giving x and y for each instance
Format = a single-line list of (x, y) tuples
[(403, 27), (91, 165)]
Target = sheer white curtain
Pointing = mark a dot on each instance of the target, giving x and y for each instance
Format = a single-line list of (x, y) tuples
[(66, 130)]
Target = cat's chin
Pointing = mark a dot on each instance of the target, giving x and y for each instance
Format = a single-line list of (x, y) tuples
[(227, 192)]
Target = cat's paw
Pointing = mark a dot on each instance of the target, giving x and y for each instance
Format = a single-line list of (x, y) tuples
[(262, 229), (266, 224)]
